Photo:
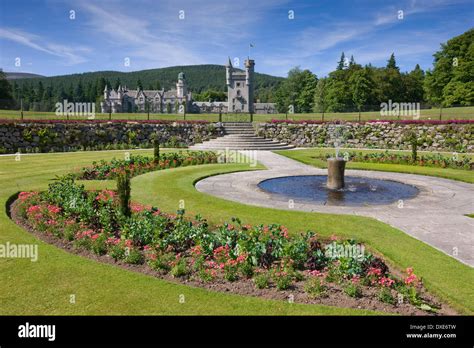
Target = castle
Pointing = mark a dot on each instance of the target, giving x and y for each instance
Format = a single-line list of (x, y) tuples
[(240, 97)]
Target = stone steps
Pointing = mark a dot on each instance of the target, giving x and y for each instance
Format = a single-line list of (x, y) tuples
[(240, 136)]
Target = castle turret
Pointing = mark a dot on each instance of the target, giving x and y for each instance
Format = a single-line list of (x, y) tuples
[(120, 92), (249, 73), (249, 70), (228, 72), (181, 88), (106, 92)]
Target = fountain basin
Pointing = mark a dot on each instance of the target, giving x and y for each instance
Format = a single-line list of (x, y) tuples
[(358, 191)]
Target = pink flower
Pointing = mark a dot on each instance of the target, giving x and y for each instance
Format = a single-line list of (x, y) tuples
[(386, 282), (374, 271), (33, 209), (316, 273), (410, 279), (23, 196), (355, 279), (53, 209), (105, 195)]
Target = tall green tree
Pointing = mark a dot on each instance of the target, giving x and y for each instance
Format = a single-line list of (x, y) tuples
[(362, 88), (320, 96), (413, 84), (6, 96), (342, 62), (391, 63), (451, 81), (297, 91)]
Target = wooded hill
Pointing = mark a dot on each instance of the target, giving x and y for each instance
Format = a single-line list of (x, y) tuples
[(199, 78)]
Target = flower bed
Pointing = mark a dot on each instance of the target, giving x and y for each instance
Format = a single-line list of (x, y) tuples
[(258, 260), (137, 164), (426, 160), (95, 121)]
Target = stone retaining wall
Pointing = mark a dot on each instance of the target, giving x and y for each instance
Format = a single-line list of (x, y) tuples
[(432, 137), (30, 137)]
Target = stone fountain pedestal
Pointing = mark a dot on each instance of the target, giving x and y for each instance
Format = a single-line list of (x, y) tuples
[(336, 167)]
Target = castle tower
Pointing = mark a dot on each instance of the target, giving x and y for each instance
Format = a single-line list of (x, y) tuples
[(240, 87), (249, 76), (181, 88), (228, 72)]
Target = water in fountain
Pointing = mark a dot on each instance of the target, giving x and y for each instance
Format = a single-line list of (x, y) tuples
[(359, 191)]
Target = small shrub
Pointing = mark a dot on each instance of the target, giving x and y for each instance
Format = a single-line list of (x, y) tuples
[(246, 269), (261, 281), (385, 296), (99, 246), (123, 188), (162, 262), (180, 269), (231, 273), (314, 288), (206, 275), (134, 257), (117, 252), (156, 149), (353, 290), (282, 280), (83, 243)]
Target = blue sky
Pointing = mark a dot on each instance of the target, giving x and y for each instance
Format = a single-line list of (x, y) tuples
[(151, 34)]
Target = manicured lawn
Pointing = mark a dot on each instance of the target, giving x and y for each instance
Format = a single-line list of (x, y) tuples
[(447, 114), (307, 156), (44, 287)]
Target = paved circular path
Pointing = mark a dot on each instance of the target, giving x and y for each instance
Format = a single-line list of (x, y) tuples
[(435, 215)]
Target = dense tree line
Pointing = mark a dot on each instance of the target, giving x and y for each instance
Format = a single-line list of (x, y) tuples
[(355, 87), (41, 94)]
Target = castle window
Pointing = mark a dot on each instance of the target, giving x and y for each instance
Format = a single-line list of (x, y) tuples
[(238, 84)]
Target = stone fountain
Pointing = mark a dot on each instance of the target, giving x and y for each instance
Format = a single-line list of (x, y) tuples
[(336, 166)]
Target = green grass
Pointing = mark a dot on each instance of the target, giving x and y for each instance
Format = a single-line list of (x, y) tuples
[(307, 156), (44, 287), (434, 114)]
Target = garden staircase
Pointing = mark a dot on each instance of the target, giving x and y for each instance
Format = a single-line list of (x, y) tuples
[(241, 136)]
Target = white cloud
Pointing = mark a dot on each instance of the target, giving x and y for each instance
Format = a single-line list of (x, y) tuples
[(71, 54), (157, 37)]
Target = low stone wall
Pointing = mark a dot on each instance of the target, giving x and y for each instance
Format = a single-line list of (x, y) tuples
[(31, 136), (433, 137)]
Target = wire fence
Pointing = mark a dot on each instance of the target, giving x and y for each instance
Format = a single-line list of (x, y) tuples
[(422, 113)]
